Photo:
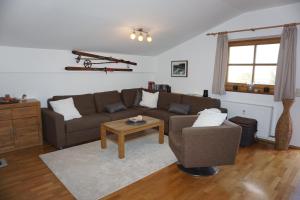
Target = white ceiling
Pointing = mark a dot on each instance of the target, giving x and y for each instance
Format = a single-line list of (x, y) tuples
[(105, 25)]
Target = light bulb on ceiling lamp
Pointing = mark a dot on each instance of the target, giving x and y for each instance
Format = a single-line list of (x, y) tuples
[(132, 35), (149, 38), (141, 37)]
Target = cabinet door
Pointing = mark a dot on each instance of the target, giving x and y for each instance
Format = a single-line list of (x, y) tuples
[(6, 134), (27, 131)]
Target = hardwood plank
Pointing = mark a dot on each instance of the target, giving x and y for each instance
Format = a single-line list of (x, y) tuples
[(259, 173), (27, 177)]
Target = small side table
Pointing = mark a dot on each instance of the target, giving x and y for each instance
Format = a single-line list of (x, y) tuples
[(249, 129)]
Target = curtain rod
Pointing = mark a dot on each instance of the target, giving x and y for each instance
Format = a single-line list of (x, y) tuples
[(252, 29)]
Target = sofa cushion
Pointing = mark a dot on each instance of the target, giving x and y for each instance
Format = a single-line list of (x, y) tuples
[(160, 114), (165, 99), (86, 122), (178, 108), (130, 112), (84, 103), (200, 103), (104, 98), (115, 107), (142, 109), (129, 96), (138, 98)]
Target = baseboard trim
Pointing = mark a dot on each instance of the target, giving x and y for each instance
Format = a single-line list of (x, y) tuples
[(273, 142)]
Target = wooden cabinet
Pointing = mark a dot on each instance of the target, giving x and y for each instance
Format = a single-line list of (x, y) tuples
[(20, 125)]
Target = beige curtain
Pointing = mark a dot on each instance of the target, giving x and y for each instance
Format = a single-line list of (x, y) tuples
[(286, 70), (221, 62)]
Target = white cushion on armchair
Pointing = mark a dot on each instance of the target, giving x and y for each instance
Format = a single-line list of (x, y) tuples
[(210, 118)]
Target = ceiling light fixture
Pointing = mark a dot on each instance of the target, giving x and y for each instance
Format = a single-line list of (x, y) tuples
[(149, 38), (141, 37), (140, 34), (132, 35)]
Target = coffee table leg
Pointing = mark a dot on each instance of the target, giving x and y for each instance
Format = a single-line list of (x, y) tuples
[(121, 145), (103, 137), (161, 132)]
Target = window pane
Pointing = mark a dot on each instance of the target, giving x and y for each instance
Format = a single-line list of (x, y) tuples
[(267, 53), (265, 75), (240, 74), (241, 54)]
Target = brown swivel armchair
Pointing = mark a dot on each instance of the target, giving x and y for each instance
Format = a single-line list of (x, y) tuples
[(198, 150)]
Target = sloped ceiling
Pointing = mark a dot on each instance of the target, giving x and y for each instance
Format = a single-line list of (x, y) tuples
[(105, 25)]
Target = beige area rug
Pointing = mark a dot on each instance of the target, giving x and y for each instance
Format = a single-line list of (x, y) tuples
[(90, 173)]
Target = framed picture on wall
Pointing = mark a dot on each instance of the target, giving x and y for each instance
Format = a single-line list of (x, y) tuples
[(179, 68)]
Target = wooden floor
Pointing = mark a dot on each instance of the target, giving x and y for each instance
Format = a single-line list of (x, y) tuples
[(259, 173)]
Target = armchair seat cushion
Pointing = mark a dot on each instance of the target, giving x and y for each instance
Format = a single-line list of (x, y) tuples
[(86, 122)]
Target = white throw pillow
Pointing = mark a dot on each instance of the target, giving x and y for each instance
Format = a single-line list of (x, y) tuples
[(210, 110), (210, 118), (149, 99), (66, 108)]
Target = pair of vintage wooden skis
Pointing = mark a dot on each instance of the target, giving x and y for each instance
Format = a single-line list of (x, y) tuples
[(89, 60)]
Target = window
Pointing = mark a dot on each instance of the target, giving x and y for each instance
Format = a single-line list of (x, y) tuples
[(252, 65)]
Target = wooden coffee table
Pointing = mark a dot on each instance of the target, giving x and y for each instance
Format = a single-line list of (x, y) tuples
[(121, 128)]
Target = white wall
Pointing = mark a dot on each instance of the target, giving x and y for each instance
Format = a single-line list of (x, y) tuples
[(40, 73), (200, 53)]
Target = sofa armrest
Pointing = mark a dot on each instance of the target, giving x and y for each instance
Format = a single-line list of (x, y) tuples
[(178, 122), (54, 128), (211, 146)]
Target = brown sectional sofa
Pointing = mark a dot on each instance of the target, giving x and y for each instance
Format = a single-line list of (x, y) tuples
[(62, 133)]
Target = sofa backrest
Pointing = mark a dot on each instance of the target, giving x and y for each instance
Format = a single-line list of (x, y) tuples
[(200, 103), (92, 103), (84, 103), (129, 95), (104, 98), (165, 99)]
